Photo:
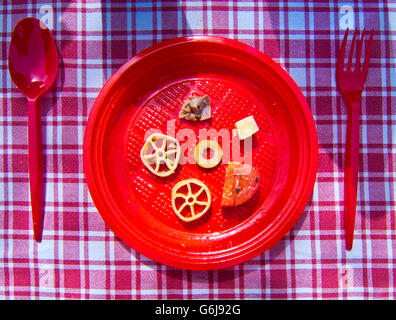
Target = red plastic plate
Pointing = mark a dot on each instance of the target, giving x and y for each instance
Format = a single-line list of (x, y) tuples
[(147, 92)]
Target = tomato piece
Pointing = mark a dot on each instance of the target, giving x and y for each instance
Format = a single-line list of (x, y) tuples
[(240, 184)]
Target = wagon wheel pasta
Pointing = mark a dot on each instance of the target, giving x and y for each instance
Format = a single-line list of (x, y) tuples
[(190, 199), (160, 154)]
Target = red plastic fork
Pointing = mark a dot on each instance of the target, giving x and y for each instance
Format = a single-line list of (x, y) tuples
[(351, 83)]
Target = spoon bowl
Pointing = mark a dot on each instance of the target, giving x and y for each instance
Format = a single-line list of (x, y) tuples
[(33, 66), (33, 58)]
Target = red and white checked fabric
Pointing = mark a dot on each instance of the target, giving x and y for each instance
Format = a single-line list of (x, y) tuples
[(81, 258)]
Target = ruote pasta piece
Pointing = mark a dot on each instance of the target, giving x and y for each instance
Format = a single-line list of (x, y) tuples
[(190, 199), (160, 154)]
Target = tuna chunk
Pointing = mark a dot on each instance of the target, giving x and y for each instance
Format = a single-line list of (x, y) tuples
[(196, 109)]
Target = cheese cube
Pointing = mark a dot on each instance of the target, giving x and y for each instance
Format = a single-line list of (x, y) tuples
[(246, 127)]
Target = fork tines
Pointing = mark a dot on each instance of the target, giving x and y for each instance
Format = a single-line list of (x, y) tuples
[(340, 61)]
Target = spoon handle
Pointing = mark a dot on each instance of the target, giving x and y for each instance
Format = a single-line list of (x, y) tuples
[(35, 166)]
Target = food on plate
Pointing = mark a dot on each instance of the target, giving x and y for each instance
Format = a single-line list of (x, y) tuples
[(160, 154), (190, 199), (246, 127), (196, 109), (201, 151), (240, 184)]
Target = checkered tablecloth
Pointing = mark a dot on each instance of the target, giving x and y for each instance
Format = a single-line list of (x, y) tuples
[(81, 258)]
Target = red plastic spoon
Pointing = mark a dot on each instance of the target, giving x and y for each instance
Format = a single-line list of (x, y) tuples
[(33, 65)]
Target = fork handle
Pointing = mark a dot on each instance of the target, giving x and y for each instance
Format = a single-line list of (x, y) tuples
[(351, 170)]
